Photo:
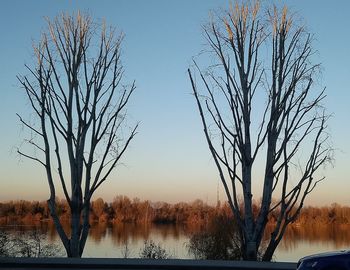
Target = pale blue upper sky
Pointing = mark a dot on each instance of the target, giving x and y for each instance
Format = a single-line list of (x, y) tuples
[(169, 159)]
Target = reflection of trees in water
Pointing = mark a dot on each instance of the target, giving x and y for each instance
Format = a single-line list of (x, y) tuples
[(337, 235), (129, 232), (120, 233), (167, 231), (23, 228), (98, 231)]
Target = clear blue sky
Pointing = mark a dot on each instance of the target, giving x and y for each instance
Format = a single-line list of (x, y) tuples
[(169, 159)]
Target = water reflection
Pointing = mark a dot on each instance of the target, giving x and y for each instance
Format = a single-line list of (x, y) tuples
[(109, 240), (338, 235)]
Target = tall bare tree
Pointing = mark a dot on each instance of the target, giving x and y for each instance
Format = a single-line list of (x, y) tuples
[(79, 105), (257, 58)]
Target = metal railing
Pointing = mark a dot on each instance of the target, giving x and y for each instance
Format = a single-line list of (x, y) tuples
[(108, 263)]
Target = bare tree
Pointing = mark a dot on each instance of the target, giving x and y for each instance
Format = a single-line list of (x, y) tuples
[(259, 104), (79, 106)]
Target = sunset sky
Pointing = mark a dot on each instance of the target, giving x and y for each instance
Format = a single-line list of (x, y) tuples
[(169, 159)]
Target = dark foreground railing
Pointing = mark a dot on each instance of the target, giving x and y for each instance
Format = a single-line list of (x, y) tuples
[(106, 263)]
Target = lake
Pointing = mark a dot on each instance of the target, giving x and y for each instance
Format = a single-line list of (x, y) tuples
[(118, 239)]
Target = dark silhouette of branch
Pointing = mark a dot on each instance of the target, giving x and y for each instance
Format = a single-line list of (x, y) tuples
[(80, 102), (291, 120)]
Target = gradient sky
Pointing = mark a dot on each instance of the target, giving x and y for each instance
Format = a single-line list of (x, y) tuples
[(169, 159)]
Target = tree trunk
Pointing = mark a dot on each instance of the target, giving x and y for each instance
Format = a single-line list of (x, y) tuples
[(250, 252), (74, 244), (270, 251), (85, 228)]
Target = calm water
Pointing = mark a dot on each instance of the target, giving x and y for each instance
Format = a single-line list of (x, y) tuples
[(113, 240)]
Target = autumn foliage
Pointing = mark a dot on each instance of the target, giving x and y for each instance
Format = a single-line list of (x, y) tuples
[(125, 210)]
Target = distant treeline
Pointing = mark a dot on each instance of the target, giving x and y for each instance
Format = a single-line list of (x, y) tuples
[(121, 210), (125, 210)]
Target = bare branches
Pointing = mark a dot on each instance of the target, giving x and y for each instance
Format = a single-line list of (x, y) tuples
[(291, 125), (81, 104)]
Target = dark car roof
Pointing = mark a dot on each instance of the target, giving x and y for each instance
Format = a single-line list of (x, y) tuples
[(328, 254)]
